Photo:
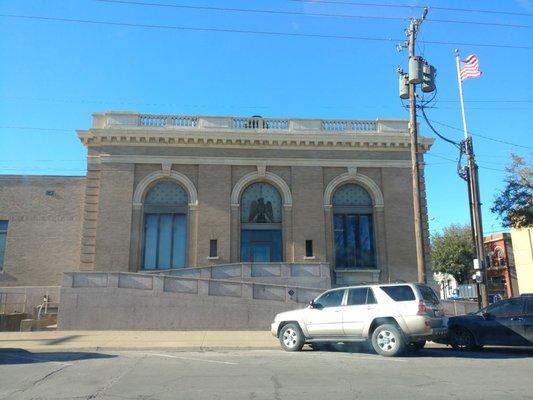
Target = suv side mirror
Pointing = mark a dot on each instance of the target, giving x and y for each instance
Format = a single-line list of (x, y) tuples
[(316, 306)]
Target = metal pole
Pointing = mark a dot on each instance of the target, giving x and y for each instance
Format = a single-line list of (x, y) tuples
[(461, 92), (413, 131), (473, 196)]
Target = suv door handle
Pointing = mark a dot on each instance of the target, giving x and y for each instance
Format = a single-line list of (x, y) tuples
[(517, 319)]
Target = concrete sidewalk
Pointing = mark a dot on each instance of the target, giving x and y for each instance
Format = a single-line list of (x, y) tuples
[(137, 340)]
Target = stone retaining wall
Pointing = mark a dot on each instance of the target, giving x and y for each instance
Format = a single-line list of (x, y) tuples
[(131, 301)]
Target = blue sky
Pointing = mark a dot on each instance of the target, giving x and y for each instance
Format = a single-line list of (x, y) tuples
[(55, 74)]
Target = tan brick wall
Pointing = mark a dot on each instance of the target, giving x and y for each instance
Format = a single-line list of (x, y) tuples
[(308, 211), (43, 238), (214, 190), (113, 225)]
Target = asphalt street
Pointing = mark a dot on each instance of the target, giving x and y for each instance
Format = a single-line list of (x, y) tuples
[(344, 373)]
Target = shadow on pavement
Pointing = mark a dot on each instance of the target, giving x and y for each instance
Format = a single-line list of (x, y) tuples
[(437, 352), (20, 356)]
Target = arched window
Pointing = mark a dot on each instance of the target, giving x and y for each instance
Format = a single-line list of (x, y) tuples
[(165, 226), (353, 228), (261, 217)]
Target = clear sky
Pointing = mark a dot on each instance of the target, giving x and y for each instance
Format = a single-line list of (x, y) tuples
[(54, 74)]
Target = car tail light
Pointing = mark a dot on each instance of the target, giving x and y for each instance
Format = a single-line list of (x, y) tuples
[(422, 309)]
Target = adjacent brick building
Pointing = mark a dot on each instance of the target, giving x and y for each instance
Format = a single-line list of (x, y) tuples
[(183, 191), (501, 272)]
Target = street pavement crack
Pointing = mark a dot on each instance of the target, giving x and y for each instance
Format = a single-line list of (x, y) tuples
[(113, 381)]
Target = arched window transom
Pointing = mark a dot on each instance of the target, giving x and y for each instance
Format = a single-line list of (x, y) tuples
[(351, 195), (166, 193), (261, 203)]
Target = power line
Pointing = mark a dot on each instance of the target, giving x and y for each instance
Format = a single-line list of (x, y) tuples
[(305, 14), (413, 6), (482, 136), (487, 101), (253, 32), (455, 162)]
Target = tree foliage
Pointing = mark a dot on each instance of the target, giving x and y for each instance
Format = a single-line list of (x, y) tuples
[(514, 204), (452, 252)]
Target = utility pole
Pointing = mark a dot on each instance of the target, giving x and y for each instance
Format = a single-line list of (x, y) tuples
[(413, 133)]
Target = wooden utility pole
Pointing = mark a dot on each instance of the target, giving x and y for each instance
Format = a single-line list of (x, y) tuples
[(413, 132)]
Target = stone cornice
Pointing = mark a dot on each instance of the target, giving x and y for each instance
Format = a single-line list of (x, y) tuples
[(140, 136)]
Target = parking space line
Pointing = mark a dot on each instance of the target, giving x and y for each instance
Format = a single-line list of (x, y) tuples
[(192, 359)]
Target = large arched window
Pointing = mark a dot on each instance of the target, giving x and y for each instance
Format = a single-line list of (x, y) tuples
[(165, 226), (261, 216), (353, 228)]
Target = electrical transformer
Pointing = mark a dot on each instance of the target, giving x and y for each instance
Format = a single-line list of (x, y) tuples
[(428, 84), (415, 70), (404, 86)]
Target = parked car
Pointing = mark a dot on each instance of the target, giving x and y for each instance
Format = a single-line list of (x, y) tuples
[(392, 317), (506, 323)]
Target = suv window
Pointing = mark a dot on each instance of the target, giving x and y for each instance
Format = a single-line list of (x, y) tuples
[(428, 294), (506, 308), (360, 296), (330, 299), (399, 293)]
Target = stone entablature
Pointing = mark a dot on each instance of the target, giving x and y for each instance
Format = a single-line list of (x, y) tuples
[(142, 129)]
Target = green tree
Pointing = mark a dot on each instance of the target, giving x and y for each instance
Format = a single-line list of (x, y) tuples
[(452, 252), (514, 204)]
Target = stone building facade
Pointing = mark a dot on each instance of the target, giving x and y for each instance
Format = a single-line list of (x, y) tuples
[(185, 191)]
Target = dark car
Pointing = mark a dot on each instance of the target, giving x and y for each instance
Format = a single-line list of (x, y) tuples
[(506, 323)]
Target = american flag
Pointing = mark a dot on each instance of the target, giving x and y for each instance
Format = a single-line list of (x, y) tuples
[(470, 68)]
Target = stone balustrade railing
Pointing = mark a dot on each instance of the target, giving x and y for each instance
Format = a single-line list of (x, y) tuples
[(161, 284), (118, 120)]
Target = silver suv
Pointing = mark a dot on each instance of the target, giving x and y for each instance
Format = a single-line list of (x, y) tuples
[(394, 317)]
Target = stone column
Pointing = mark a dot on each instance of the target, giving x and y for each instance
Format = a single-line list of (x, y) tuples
[(328, 226), (235, 234), (136, 238), (380, 240), (193, 236), (288, 242)]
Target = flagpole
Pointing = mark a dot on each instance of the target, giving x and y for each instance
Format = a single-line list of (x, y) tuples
[(457, 62), (474, 199)]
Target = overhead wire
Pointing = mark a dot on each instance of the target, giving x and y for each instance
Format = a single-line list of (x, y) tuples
[(306, 14), (255, 32), (395, 5)]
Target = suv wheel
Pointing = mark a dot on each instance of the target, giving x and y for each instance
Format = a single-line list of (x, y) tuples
[(291, 338), (388, 340)]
